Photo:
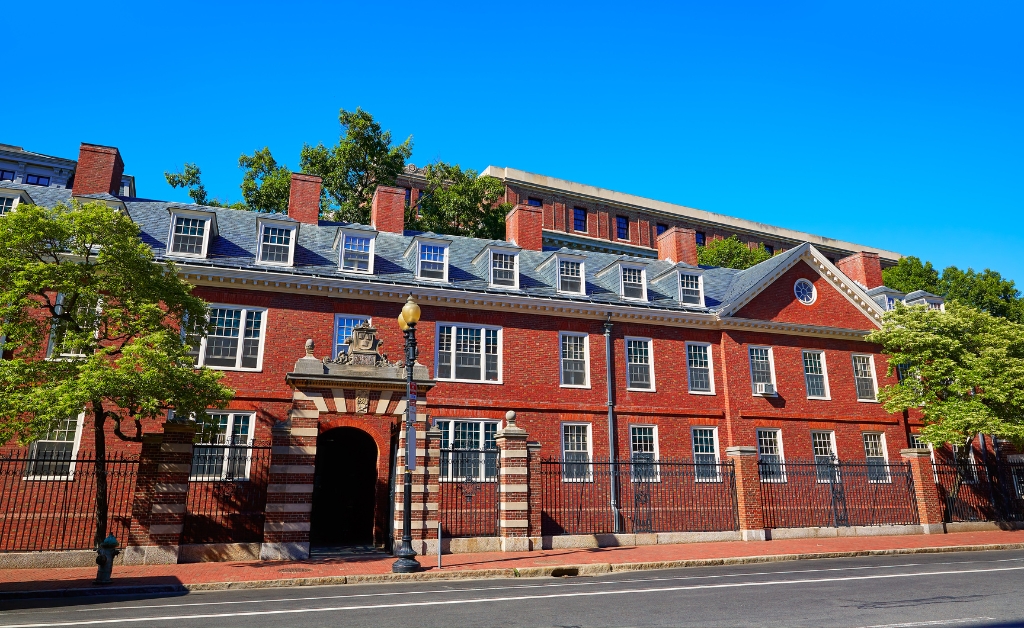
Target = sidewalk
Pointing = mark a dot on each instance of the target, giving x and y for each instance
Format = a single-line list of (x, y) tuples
[(16, 583)]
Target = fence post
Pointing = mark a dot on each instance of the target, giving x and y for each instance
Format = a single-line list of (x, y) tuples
[(748, 492), (513, 487), (929, 506), (161, 493), (536, 487)]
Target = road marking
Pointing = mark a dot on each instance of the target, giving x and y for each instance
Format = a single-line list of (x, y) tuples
[(514, 598), (935, 622)]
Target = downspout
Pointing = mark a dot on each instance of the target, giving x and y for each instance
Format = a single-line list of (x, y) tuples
[(612, 454)]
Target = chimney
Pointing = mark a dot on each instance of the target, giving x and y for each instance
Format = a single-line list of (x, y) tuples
[(523, 226), (304, 198), (99, 170), (863, 267), (387, 213), (678, 245)]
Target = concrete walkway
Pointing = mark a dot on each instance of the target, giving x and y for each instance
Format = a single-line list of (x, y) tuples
[(18, 583)]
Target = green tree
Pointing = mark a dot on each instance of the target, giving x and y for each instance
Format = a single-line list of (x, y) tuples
[(79, 280), (987, 291), (910, 274), (191, 177), (458, 202), (351, 170), (731, 253), (265, 184)]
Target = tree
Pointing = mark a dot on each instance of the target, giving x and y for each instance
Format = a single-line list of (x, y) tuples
[(191, 177), (458, 202), (731, 253), (910, 274), (79, 279), (987, 291), (265, 184), (963, 369), (351, 170)]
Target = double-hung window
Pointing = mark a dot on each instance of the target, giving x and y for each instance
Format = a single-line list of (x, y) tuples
[(35, 179), (823, 443), (698, 368), (576, 452), (504, 269), (357, 252), (633, 283), (815, 377), (690, 292), (762, 371), (705, 454), (570, 276), (469, 353), (579, 220), (643, 450), (223, 446), (864, 376), (700, 238), (468, 449), (639, 364), (343, 326), (53, 455), (575, 360), (190, 234), (770, 456), (621, 228), (234, 338), (6, 205), (877, 459), (433, 262), (77, 337), (277, 243)]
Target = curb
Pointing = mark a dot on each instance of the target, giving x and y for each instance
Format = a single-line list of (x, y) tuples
[(589, 569)]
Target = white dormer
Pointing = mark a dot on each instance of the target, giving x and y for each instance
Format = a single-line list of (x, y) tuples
[(190, 232), (684, 281), (632, 278), (355, 250), (569, 270), (502, 265), (276, 240), (927, 299), (430, 257), (11, 198)]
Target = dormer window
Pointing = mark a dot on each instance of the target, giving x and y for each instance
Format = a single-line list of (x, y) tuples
[(504, 269), (431, 257), (277, 242), (190, 233), (7, 204), (634, 284), (9, 199), (691, 289), (357, 251), (570, 276)]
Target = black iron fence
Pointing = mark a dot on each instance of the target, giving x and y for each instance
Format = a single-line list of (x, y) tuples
[(48, 501), (227, 494), (469, 501), (653, 496), (798, 494), (975, 491)]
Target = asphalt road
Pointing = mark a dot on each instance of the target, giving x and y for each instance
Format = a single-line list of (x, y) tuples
[(971, 589)]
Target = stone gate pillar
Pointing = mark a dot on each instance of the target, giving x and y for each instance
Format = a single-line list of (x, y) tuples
[(748, 492), (929, 506), (514, 488), (424, 524)]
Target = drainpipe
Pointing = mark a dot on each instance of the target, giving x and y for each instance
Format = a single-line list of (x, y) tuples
[(613, 457)]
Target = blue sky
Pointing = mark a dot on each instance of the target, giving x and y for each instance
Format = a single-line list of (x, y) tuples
[(899, 127)]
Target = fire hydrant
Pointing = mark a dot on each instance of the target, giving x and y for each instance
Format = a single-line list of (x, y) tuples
[(105, 553)]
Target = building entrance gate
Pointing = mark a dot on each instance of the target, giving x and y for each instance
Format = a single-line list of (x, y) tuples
[(344, 488)]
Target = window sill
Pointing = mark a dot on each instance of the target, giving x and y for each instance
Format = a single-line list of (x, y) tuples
[(353, 271), (868, 401), (275, 264), (466, 381), (233, 368), (576, 386), (633, 299), (819, 398), (431, 279), (705, 393), (185, 255), (765, 395), (645, 390)]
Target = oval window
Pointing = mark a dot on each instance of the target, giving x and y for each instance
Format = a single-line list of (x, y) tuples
[(804, 291)]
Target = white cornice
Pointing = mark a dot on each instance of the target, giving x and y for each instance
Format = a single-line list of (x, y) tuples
[(794, 329)]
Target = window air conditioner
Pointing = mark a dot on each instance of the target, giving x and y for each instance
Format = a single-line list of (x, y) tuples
[(764, 389)]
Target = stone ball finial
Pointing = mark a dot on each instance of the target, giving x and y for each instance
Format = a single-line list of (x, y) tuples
[(310, 345), (510, 416)]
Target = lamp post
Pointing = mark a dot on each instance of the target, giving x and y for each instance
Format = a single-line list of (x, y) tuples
[(407, 320)]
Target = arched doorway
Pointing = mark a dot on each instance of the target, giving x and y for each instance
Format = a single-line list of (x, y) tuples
[(344, 488)]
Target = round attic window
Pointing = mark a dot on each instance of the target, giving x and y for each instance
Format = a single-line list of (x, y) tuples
[(804, 291)]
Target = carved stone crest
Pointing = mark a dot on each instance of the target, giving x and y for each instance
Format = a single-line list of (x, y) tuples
[(362, 401), (363, 349)]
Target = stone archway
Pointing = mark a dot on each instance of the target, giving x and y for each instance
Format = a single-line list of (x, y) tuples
[(344, 488)]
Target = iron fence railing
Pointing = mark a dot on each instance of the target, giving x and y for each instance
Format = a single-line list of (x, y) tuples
[(653, 496), (48, 501), (798, 494), (227, 494), (469, 501), (976, 491)]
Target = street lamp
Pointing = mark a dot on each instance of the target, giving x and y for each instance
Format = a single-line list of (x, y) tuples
[(407, 320)]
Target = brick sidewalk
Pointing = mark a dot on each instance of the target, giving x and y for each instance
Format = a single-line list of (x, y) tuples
[(360, 568)]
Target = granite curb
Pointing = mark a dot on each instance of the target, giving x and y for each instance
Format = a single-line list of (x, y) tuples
[(588, 569)]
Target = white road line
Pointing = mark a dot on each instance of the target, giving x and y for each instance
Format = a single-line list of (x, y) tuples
[(935, 622), (514, 598)]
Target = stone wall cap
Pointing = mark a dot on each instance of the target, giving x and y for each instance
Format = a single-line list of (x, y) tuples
[(741, 450), (916, 452)]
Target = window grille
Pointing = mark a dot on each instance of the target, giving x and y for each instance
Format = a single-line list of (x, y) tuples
[(468, 450), (825, 459), (705, 454), (432, 261), (355, 254), (689, 289), (472, 351), (570, 276), (760, 365), (643, 453), (234, 338), (579, 219), (574, 360), (503, 269), (864, 375), (188, 235), (65, 340), (6, 205), (52, 456), (621, 228), (874, 451), (343, 326), (769, 451), (814, 374), (633, 283), (223, 446), (699, 367), (275, 245), (576, 451), (638, 363)]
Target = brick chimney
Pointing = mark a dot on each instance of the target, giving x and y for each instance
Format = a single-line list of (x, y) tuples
[(387, 213), (523, 226), (864, 268), (677, 244), (304, 198), (99, 170)]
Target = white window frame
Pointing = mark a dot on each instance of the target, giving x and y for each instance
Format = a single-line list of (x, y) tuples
[(229, 436), (558, 274), (50, 343), (711, 367), (824, 374), (264, 224), (334, 334), (657, 453), (447, 474), (650, 356), (717, 477), (874, 375), (514, 253), (444, 244), (15, 198), (700, 287), (590, 451), (782, 453), (483, 354), (70, 476), (831, 474), (643, 282), (207, 230), (356, 233), (814, 291), (586, 359), (264, 322), (771, 365), (885, 455)]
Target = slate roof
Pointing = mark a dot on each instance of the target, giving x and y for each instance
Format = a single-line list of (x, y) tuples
[(235, 246)]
